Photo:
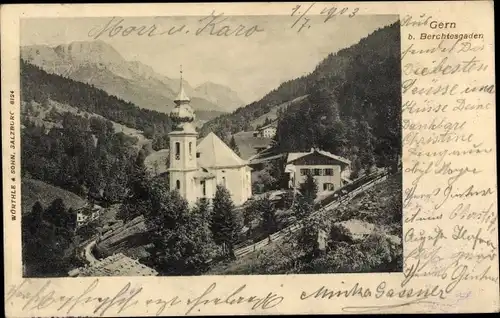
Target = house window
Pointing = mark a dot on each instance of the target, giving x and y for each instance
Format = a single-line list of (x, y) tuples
[(197, 155), (204, 187), (177, 150), (190, 150), (317, 172), (328, 187), (329, 172), (224, 181), (178, 184), (303, 172)]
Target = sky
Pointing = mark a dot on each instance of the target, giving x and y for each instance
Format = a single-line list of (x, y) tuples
[(250, 65)]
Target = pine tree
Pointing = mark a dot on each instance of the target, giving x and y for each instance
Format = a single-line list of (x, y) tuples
[(56, 213), (137, 201), (309, 189), (234, 146), (366, 145), (224, 225), (268, 215), (182, 242), (31, 222)]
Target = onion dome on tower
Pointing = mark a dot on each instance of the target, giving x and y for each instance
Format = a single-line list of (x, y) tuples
[(182, 115)]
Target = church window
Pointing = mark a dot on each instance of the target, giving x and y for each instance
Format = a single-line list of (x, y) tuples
[(197, 155), (224, 181), (317, 172), (190, 150), (303, 172), (178, 184), (328, 172), (177, 150), (204, 187)]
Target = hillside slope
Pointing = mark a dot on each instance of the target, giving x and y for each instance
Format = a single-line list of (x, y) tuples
[(40, 86), (352, 108), (274, 112), (36, 190)]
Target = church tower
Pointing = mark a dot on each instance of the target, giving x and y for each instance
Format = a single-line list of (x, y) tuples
[(183, 147)]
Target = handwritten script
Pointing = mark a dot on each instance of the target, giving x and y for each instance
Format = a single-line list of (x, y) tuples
[(448, 198), (449, 194), (127, 297)]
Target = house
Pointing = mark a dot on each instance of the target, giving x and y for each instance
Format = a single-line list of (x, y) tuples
[(249, 143), (330, 171), (268, 131), (87, 214), (196, 168)]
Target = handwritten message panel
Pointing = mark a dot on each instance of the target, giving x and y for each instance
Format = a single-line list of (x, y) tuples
[(449, 199)]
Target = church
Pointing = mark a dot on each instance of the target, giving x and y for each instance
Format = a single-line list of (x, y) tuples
[(197, 167)]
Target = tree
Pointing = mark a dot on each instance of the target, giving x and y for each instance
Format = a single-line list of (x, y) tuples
[(45, 243), (137, 201), (268, 215), (250, 214), (307, 237), (264, 209), (57, 215), (309, 189), (234, 146), (224, 225), (265, 181), (182, 243), (356, 168), (31, 222), (302, 208), (366, 145)]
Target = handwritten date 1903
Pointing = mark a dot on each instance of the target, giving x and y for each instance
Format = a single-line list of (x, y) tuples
[(327, 12)]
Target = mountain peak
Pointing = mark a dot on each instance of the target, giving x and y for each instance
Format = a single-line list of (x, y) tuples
[(89, 51), (220, 95)]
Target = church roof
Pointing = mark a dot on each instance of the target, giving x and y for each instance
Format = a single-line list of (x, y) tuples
[(203, 174), (292, 156), (215, 153)]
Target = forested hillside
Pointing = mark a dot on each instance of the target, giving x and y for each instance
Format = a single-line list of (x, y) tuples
[(353, 106), (83, 156), (39, 86)]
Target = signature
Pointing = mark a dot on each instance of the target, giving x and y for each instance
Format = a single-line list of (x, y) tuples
[(215, 24)]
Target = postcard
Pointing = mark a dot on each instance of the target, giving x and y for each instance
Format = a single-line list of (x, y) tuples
[(249, 158)]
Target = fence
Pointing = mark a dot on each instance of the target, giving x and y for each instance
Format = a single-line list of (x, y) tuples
[(370, 180)]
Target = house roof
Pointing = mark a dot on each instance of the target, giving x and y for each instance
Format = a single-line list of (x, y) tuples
[(115, 265), (255, 160), (292, 156), (215, 153), (273, 124), (248, 144)]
